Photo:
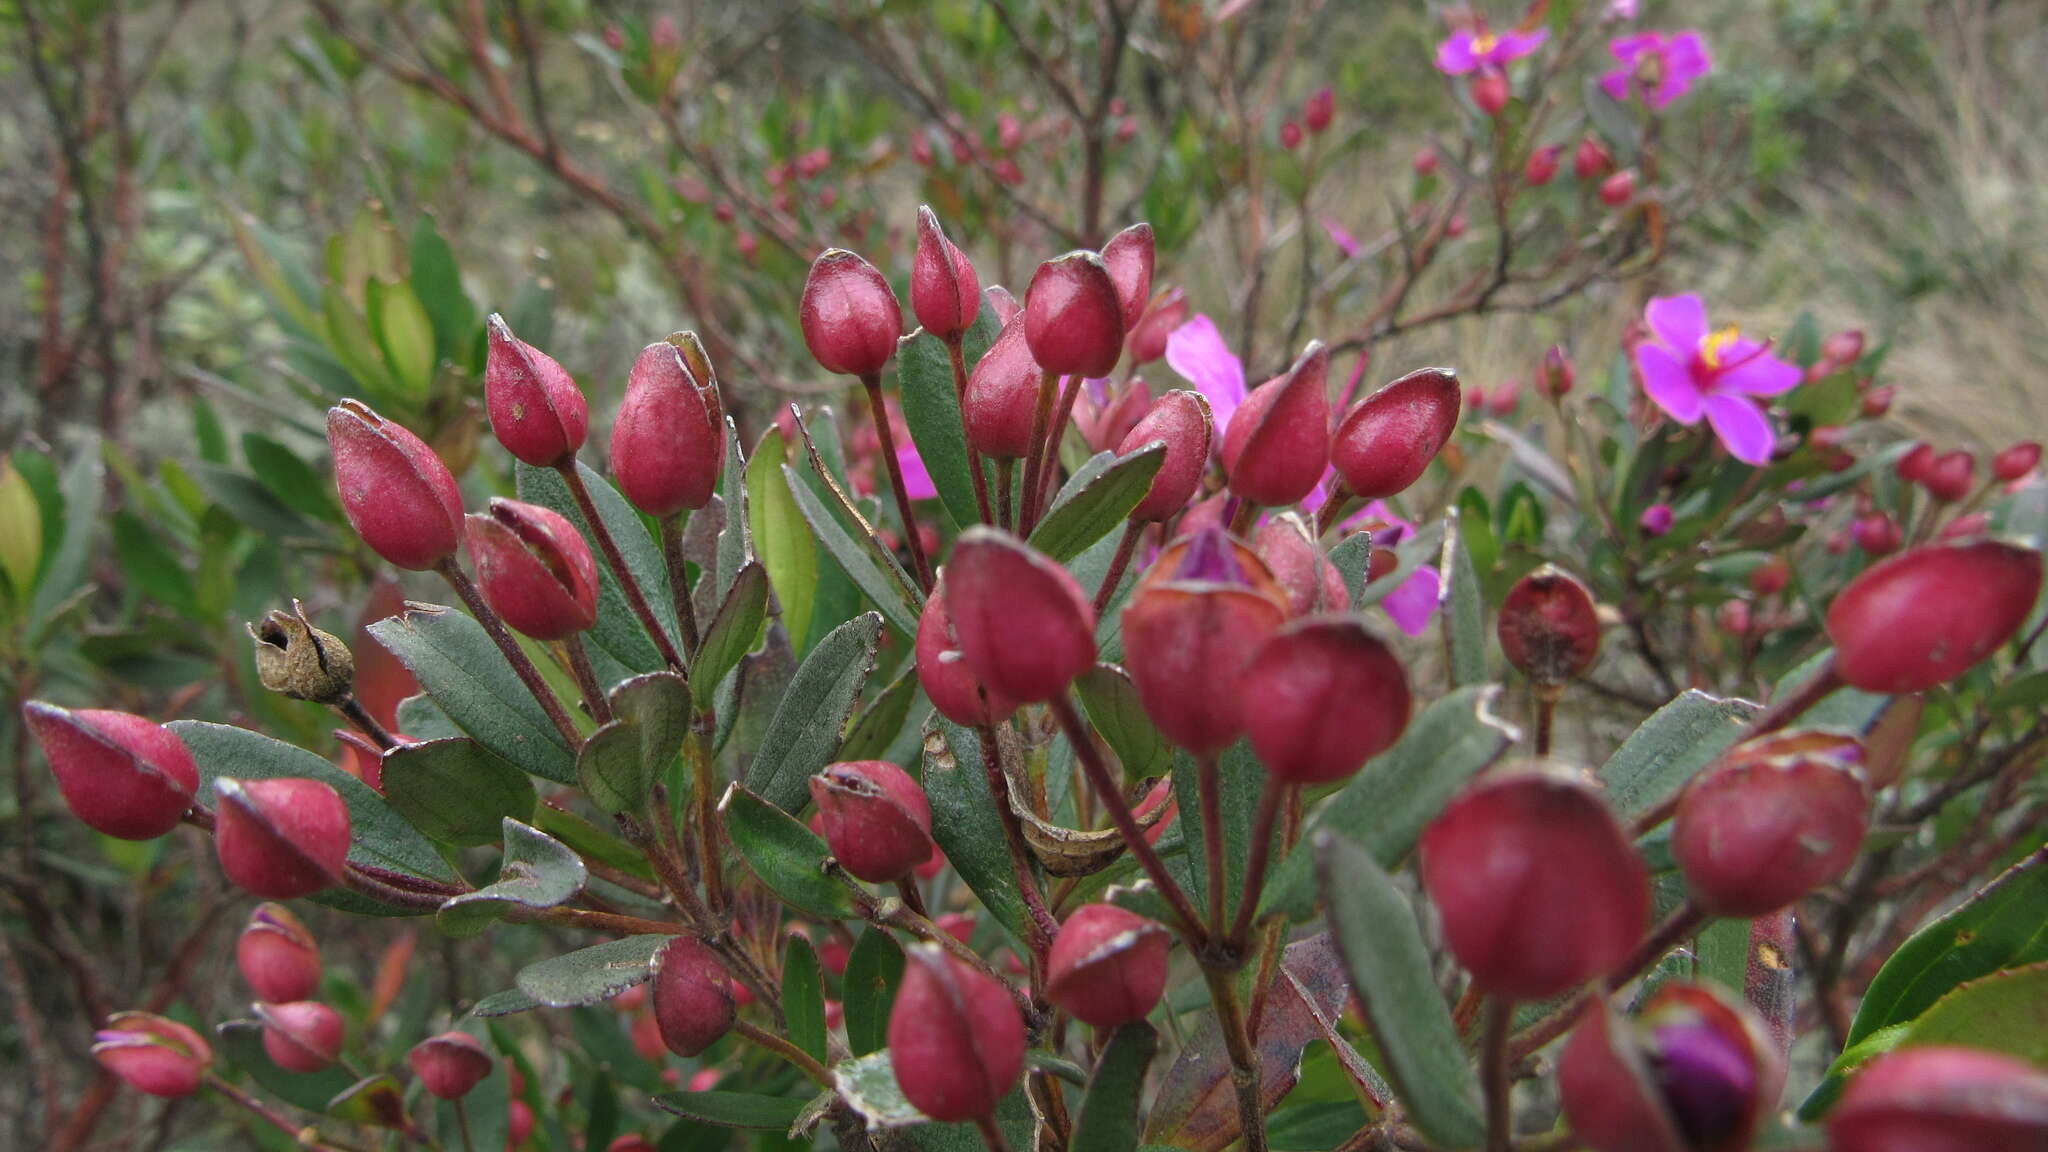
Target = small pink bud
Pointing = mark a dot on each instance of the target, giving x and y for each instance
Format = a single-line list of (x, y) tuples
[(668, 442), (1002, 396), (1505, 398), (1107, 966), (1166, 312), (1877, 534), (1843, 348), (1456, 226), (1916, 463), (1008, 172), (1520, 853), (1734, 617), (1772, 820), (943, 671), (1106, 413), (1317, 110), (120, 773), (1490, 90), (666, 35), (399, 496), (1323, 696), (1024, 626), (945, 293), (1426, 162), (1278, 442), (1926, 616), (1542, 166), (1695, 1072), (537, 412), (1878, 401), (1619, 188), (1549, 629), (1129, 256), (449, 1065), (1009, 132), (1965, 527), (1181, 421), (535, 569), (812, 164), (519, 1121), (849, 314), (1770, 577), (1196, 618), (301, 1035), (1073, 316), (693, 997), (956, 1040), (1950, 476), (1656, 520), (280, 838), (152, 1054), (1557, 375), (1942, 1099), (1385, 443), (1311, 582), (1591, 158), (875, 817), (631, 1142), (614, 37), (1290, 135), (2016, 461), (277, 956)]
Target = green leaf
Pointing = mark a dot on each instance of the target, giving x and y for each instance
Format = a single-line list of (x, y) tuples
[(289, 478), (1113, 709), (376, 1101), (457, 664), (405, 334), (1352, 558), (887, 590), (965, 823), (732, 634), (379, 836), (931, 409), (151, 564), (592, 974), (617, 638), (21, 534), (438, 283), (868, 1085), (787, 857), (868, 990), (735, 546), (507, 1003), (591, 842), (1671, 746), (456, 791), (785, 544), (875, 732), (1376, 933), (803, 997), (2006, 1011), (241, 1041), (733, 1109), (1464, 613), (1108, 1120), (621, 761), (1241, 780), (538, 871), (1384, 808), (1088, 509), (808, 724), (65, 564)]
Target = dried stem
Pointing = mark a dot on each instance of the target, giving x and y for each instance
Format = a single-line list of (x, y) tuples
[(514, 655), (1244, 1059), (636, 598), (352, 709)]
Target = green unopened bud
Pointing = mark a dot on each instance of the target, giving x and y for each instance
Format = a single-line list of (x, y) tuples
[(295, 659)]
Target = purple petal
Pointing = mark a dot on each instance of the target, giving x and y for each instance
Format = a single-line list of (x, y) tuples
[(1616, 83), (1686, 56), (1742, 427), (1669, 382), (1762, 374), (1412, 604), (1515, 45), (1197, 352), (1397, 529), (917, 479), (1454, 57), (1628, 49), (1679, 321), (1657, 519), (1345, 241), (1622, 9)]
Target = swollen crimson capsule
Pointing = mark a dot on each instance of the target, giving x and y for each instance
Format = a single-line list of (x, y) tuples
[(1025, 627), (1555, 378), (1323, 695), (1181, 421), (120, 773), (301, 1036), (1318, 109), (945, 293), (535, 569), (668, 442), (2016, 461), (399, 496), (1772, 820), (1312, 583), (1167, 311), (1520, 853), (693, 1001), (1193, 623), (1387, 440), (1107, 966), (1926, 616), (1129, 256), (849, 315), (1002, 396), (1950, 476), (956, 1040), (151, 1054), (1942, 1099), (1549, 629), (1278, 440), (450, 1065), (1542, 166), (537, 411), (1105, 413), (876, 819), (943, 673), (280, 838), (1695, 1072), (1074, 317), (277, 956)]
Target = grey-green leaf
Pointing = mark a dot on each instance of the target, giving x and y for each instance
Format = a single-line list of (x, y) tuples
[(1668, 748), (809, 722), (538, 871), (1091, 507), (732, 633), (868, 989), (1464, 611), (458, 665), (618, 639), (621, 761), (787, 857), (734, 1109), (456, 791), (882, 587), (592, 974), (1108, 1120), (964, 821)]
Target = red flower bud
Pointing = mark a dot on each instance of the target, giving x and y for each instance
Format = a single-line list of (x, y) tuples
[(945, 294), (1549, 629), (956, 1040), (2016, 461), (1950, 476), (1843, 348), (1942, 1099), (1591, 158), (1128, 256), (668, 443), (1318, 109), (1311, 582), (277, 956), (1106, 413), (1926, 616), (1489, 88), (280, 838), (151, 1054), (943, 671), (1916, 463), (1073, 316), (849, 314), (1387, 440), (1426, 162), (1520, 853), (535, 569), (302, 1035), (1025, 627), (1196, 618), (1878, 401), (121, 774), (1877, 534), (451, 1064), (693, 1001), (1772, 820), (1557, 375), (631, 1142), (1002, 396), (1323, 696), (875, 817), (1166, 312), (1181, 421), (537, 412), (1733, 617), (1542, 166), (1770, 577), (1290, 135), (1006, 306), (1619, 188), (1278, 441), (1965, 527), (519, 1121), (399, 496), (1694, 1073), (1107, 966)]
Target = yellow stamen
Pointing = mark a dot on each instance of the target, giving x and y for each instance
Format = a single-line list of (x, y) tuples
[(1484, 44), (1715, 343)]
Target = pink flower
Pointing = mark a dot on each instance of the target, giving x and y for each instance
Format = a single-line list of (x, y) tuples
[(1482, 51), (1411, 604), (1345, 241), (1690, 370), (917, 479), (1197, 352), (1657, 519), (1663, 67)]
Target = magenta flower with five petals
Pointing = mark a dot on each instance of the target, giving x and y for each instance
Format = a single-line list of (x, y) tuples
[(1196, 352), (1481, 51), (1691, 370), (1662, 67)]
